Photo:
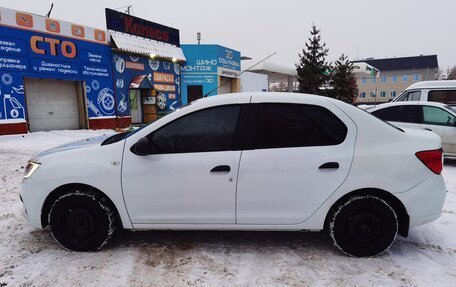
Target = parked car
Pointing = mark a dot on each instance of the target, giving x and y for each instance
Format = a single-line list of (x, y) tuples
[(430, 91), (426, 91), (437, 117), (248, 161)]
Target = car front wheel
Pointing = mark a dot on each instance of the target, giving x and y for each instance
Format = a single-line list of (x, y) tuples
[(82, 221), (363, 226)]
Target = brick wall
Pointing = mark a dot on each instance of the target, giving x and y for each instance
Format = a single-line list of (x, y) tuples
[(16, 128), (98, 124), (123, 122)]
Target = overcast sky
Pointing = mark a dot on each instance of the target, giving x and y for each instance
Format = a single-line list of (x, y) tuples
[(358, 28)]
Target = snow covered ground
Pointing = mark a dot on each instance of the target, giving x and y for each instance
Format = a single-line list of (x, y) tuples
[(31, 257)]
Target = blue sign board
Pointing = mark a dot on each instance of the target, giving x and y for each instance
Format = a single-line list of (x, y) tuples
[(33, 54), (205, 63)]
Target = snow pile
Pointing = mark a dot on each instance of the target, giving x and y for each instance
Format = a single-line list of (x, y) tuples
[(30, 257)]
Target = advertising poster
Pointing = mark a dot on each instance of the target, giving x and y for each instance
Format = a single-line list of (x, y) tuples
[(163, 76)]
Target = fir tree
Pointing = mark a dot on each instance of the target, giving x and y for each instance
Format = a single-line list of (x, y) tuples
[(312, 68), (343, 81)]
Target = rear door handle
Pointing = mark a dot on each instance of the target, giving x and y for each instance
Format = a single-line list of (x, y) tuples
[(221, 168), (428, 129), (329, 165)]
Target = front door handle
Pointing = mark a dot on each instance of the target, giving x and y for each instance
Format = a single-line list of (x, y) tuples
[(221, 168), (428, 129), (329, 165)]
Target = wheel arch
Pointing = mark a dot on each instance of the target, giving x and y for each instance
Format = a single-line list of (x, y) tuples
[(56, 193), (393, 201)]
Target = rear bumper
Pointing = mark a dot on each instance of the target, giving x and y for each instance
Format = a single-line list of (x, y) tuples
[(424, 202)]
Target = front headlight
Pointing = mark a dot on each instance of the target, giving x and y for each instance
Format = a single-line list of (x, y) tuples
[(31, 168)]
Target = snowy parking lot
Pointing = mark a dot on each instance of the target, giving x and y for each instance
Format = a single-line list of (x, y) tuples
[(31, 257)]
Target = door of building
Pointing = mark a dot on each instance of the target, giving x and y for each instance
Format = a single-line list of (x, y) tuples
[(194, 92), (53, 105), (149, 105), (135, 106)]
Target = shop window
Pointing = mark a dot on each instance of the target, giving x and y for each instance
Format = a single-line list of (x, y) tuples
[(291, 125), (362, 95), (372, 94), (207, 130)]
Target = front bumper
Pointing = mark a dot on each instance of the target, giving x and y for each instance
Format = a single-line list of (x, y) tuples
[(33, 196)]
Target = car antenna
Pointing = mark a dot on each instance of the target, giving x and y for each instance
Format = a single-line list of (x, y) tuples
[(246, 70)]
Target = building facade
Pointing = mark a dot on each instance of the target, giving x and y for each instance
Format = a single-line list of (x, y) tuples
[(209, 70), (146, 59), (53, 74), (396, 74)]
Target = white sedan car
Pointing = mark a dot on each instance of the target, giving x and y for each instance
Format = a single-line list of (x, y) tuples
[(437, 117), (249, 161)]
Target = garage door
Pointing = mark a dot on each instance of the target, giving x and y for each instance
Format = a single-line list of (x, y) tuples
[(51, 104)]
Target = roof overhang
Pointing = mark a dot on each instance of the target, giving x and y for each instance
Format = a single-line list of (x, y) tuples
[(147, 47), (276, 73)]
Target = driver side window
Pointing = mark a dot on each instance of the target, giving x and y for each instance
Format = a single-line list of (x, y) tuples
[(206, 130)]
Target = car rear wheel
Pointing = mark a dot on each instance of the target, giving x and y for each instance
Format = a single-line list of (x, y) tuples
[(82, 221), (363, 226)]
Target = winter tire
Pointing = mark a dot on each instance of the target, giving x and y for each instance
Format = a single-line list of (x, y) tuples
[(82, 221), (363, 226)]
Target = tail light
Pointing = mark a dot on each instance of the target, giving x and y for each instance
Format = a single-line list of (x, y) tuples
[(432, 159)]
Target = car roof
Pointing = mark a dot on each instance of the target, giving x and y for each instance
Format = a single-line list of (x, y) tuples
[(244, 96), (409, 103), (433, 85)]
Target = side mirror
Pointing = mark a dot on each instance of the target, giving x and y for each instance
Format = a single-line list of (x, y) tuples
[(142, 147)]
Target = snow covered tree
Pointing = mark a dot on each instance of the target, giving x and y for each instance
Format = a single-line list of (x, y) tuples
[(343, 81), (312, 69)]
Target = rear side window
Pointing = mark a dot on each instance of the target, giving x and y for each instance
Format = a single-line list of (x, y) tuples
[(436, 116), (406, 114), (447, 97), (296, 125), (207, 130), (411, 96)]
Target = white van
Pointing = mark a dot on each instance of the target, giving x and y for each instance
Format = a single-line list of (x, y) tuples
[(430, 91)]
